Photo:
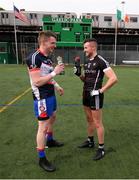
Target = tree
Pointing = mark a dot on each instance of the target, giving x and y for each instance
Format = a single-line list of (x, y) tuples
[(1, 9)]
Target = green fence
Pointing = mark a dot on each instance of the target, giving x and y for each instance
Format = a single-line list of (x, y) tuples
[(7, 55)]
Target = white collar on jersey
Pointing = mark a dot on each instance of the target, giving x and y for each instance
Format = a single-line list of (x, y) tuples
[(93, 57)]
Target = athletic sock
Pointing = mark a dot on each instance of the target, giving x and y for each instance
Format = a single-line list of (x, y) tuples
[(49, 136), (101, 146), (41, 153), (91, 138)]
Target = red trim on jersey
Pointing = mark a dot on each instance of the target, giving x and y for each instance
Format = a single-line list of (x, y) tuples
[(50, 83), (34, 69)]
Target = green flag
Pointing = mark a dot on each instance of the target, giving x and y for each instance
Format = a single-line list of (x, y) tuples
[(119, 15)]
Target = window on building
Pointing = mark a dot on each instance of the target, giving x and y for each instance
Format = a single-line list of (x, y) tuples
[(58, 37), (69, 25), (2, 49), (133, 19), (35, 16), (65, 25), (77, 37), (46, 15), (108, 18), (86, 36), (95, 18), (61, 16), (85, 28), (31, 16), (4, 15), (49, 27)]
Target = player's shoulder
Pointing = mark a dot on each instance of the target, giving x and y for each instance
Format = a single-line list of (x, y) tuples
[(32, 56), (33, 59), (102, 60)]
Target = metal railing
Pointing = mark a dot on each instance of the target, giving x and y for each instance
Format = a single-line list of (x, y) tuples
[(124, 52)]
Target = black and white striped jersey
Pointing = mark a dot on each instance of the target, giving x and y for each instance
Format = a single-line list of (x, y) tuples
[(94, 72)]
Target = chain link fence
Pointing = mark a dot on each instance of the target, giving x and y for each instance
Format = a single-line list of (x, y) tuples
[(124, 53)]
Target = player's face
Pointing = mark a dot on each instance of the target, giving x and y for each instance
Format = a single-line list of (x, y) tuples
[(50, 44), (90, 49)]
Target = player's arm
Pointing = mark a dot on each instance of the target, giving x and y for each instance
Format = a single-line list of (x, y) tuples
[(38, 80), (78, 68), (82, 78), (112, 79), (58, 88), (77, 72)]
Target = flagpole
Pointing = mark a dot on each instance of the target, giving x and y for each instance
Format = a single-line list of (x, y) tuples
[(115, 46), (15, 33)]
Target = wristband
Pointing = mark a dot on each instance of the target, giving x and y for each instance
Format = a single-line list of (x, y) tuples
[(94, 93), (53, 74), (56, 85)]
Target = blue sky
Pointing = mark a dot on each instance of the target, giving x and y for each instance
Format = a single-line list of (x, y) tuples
[(77, 6)]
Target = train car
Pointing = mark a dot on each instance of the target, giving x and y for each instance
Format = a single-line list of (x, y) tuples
[(101, 20), (7, 17)]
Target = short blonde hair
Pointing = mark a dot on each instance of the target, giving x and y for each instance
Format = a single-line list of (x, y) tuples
[(44, 35)]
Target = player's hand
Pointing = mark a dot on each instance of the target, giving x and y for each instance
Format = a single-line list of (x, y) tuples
[(59, 68), (101, 91), (77, 71), (60, 90), (94, 92)]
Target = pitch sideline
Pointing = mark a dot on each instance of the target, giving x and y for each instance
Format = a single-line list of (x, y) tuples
[(14, 100)]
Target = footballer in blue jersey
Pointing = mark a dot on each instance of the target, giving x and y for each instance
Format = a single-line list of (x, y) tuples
[(42, 73)]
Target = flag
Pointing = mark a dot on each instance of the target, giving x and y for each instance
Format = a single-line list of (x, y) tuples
[(126, 18), (19, 15), (119, 15)]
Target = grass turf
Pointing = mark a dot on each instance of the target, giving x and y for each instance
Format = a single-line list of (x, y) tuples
[(18, 157)]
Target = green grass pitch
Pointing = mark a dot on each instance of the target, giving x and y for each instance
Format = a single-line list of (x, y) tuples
[(18, 157)]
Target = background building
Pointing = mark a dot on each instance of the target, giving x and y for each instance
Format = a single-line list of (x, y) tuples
[(71, 31)]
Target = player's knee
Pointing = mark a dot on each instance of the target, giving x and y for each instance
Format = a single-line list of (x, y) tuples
[(52, 118), (89, 119), (42, 127), (45, 130), (91, 124), (97, 124)]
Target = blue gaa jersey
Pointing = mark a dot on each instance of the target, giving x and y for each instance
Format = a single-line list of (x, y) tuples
[(37, 61)]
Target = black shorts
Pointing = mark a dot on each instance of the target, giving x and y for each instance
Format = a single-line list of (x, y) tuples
[(94, 102)]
